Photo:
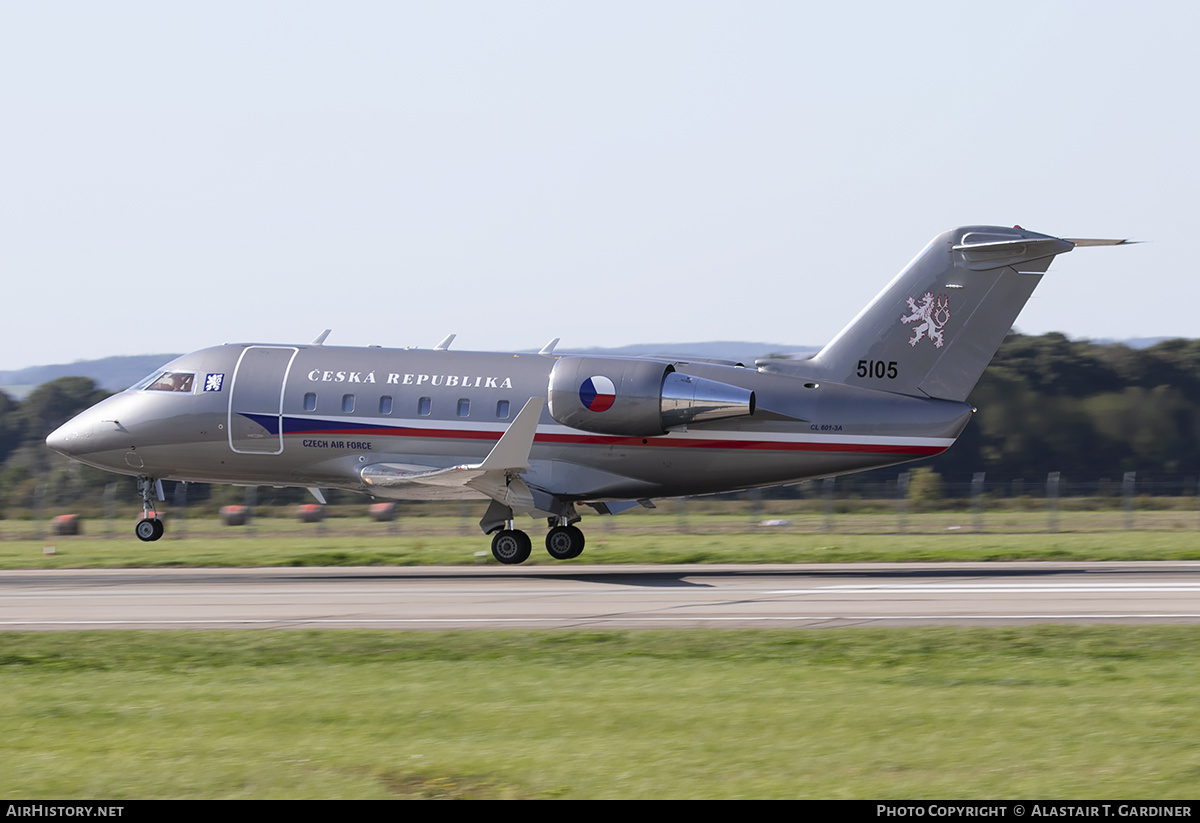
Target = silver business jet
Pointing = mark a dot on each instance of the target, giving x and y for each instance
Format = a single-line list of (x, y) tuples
[(546, 435)]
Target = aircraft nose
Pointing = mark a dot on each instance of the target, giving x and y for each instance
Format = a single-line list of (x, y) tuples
[(66, 438), (96, 436)]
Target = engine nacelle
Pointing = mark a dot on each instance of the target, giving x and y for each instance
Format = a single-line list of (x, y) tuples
[(639, 398)]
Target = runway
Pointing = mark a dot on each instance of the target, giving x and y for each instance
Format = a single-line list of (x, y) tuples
[(570, 596)]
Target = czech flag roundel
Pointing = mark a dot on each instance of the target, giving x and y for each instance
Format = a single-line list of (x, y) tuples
[(597, 393)]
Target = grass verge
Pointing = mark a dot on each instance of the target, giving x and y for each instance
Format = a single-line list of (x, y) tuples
[(262, 548), (1043, 711)]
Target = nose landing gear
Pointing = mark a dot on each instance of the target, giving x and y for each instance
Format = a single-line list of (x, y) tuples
[(149, 528)]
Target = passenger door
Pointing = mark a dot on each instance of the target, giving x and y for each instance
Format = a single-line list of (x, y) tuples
[(256, 400)]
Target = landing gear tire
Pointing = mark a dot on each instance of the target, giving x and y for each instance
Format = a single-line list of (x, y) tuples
[(511, 546), (564, 542), (149, 529)]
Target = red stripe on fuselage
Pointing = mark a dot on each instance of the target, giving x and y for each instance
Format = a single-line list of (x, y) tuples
[(601, 440)]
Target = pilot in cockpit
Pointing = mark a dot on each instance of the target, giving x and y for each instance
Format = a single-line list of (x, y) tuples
[(172, 381)]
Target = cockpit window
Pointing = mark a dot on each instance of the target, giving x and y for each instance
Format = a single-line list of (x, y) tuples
[(177, 381)]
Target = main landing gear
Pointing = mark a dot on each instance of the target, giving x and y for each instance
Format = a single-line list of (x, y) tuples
[(511, 546), (564, 542), (149, 528)]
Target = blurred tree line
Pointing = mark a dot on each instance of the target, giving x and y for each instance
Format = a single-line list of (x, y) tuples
[(1045, 404), (25, 462), (29, 469)]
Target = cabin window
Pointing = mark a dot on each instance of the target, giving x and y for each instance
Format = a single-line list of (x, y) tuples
[(347, 403), (502, 409), (310, 401), (385, 404), (423, 406), (464, 407)]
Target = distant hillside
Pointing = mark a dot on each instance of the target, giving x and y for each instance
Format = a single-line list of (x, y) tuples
[(1132, 342), (110, 373)]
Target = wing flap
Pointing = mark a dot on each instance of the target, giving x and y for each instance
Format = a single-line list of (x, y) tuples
[(388, 475), (497, 476)]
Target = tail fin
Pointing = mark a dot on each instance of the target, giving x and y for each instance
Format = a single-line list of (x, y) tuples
[(934, 329)]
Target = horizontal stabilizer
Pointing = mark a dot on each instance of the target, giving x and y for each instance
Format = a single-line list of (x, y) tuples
[(1085, 241), (984, 251)]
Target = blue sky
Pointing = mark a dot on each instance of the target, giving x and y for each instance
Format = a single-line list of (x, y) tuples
[(177, 175)]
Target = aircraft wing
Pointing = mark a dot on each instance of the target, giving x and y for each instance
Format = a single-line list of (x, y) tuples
[(497, 476)]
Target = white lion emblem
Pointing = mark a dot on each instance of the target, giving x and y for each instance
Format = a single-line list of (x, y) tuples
[(932, 315)]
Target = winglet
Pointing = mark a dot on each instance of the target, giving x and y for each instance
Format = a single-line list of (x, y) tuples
[(548, 349), (445, 344), (320, 338), (512, 449)]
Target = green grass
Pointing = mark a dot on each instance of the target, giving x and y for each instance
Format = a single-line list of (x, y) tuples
[(648, 540), (1045, 711)]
